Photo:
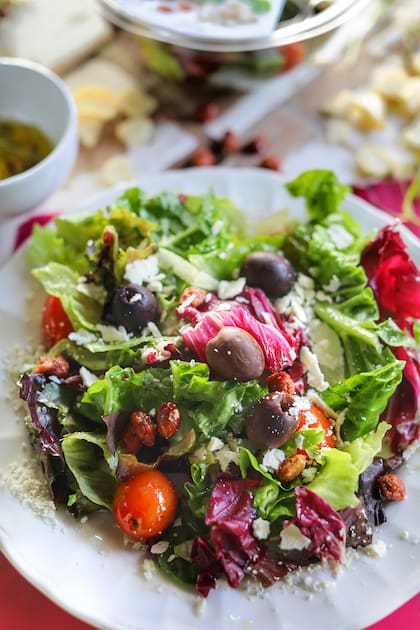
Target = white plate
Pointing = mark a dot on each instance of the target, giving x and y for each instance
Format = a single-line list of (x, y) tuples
[(86, 569)]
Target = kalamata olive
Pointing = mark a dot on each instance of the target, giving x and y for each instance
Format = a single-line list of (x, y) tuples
[(270, 272), (270, 424), (235, 355), (132, 306)]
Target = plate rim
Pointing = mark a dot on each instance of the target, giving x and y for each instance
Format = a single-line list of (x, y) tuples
[(220, 172)]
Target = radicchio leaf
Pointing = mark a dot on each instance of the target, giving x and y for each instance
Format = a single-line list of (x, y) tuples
[(395, 281), (231, 513), (275, 346), (319, 522), (209, 569), (368, 489)]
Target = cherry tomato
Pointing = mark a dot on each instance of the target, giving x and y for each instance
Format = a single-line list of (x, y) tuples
[(55, 323), (145, 505), (315, 418), (293, 54)]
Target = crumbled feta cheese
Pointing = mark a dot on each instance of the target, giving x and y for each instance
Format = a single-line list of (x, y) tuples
[(200, 606), (216, 227), (87, 377), (80, 337), (261, 528), (292, 538), (159, 547), (310, 363), (154, 330), (215, 444), (226, 456), (272, 459), (376, 549), (227, 290), (111, 334), (142, 270), (333, 285)]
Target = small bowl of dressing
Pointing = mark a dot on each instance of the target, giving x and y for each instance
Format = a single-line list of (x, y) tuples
[(38, 134)]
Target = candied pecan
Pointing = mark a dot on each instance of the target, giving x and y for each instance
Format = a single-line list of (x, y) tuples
[(230, 143), (52, 366), (259, 145), (193, 296), (391, 487), (291, 467), (280, 382), (140, 431), (203, 157), (168, 419), (271, 162)]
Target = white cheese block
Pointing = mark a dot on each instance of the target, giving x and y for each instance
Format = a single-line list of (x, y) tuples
[(56, 34)]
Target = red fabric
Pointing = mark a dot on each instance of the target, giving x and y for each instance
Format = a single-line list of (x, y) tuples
[(22, 607)]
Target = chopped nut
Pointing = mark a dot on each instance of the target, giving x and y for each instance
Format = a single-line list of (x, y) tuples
[(391, 487), (168, 419), (139, 431), (231, 143), (280, 382), (203, 157), (272, 162), (291, 467), (259, 144), (52, 366), (193, 296)]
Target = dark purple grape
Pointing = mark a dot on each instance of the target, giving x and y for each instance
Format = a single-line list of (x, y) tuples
[(235, 355), (132, 306), (270, 424), (270, 272)]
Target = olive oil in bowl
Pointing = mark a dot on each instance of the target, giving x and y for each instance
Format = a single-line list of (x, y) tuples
[(21, 147)]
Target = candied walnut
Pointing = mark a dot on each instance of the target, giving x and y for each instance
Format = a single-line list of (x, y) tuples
[(203, 157), (140, 431), (52, 366), (280, 382), (391, 487), (291, 467), (193, 296), (168, 419)]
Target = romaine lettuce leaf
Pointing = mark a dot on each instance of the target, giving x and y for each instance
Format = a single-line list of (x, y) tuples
[(61, 281), (363, 449), (322, 191), (338, 479), (92, 465), (362, 398), (213, 405)]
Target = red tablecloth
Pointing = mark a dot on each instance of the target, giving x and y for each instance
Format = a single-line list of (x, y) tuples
[(23, 607)]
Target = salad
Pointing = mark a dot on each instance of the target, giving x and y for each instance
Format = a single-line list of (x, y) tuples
[(240, 403)]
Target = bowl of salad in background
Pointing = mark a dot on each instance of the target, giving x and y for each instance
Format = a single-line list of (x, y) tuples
[(39, 143), (362, 370)]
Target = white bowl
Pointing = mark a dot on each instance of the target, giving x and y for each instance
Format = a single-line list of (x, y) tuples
[(32, 94)]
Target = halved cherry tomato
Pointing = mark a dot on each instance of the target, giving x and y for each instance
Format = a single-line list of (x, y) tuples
[(315, 418), (293, 55), (145, 505), (55, 323)]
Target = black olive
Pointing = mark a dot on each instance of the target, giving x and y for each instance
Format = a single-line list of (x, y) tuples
[(270, 272), (235, 355), (131, 306), (269, 424)]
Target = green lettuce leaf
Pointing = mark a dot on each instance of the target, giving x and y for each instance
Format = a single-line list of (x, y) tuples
[(363, 449), (362, 398), (322, 191), (92, 465), (213, 405), (338, 479), (61, 281)]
